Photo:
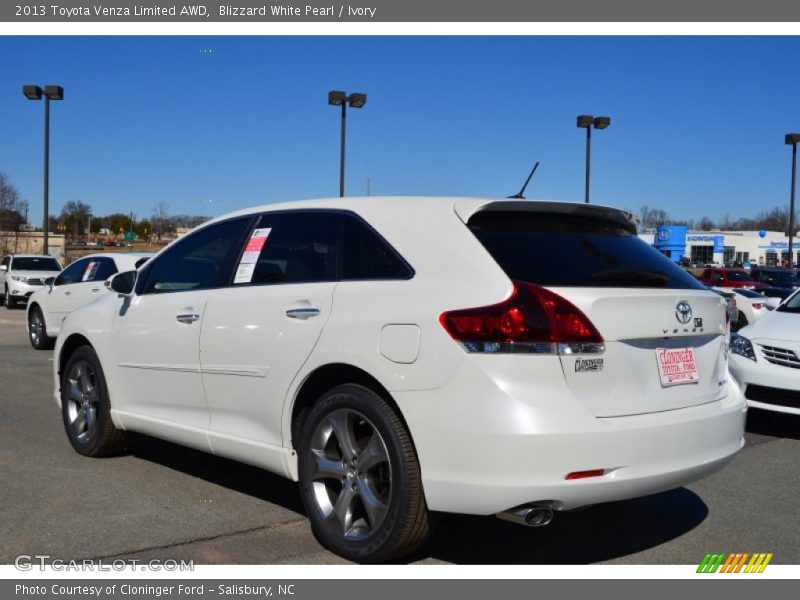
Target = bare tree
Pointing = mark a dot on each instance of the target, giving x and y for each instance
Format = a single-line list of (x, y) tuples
[(12, 209), (75, 216), (161, 221), (706, 224)]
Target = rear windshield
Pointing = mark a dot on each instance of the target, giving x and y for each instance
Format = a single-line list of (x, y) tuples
[(30, 263), (574, 250), (749, 294)]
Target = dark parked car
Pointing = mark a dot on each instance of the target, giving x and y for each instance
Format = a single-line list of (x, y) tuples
[(783, 278), (775, 292)]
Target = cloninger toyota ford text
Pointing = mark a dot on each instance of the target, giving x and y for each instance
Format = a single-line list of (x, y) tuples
[(405, 356)]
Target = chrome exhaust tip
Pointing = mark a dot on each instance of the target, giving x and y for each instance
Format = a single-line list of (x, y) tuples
[(529, 515)]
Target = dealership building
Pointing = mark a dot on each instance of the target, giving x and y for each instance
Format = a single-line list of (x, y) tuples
[(765, 248)]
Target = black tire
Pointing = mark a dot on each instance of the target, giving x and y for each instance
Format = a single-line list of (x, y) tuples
[(8, 300), (83, 378), (405, 523), (37, 330)]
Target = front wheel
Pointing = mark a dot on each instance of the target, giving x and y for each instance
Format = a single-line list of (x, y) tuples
[(359, 477), (85, 406), (9, 300), (37, 331)]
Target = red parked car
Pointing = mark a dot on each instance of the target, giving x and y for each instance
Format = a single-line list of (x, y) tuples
[(729, 278)]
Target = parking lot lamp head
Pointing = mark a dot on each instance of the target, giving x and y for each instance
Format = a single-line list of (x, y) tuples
[(32, 92), (357, 100), (602, 122), (336, 98), (585, 121), (54, 92)]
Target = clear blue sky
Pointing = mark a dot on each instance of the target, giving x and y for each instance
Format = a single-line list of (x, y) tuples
[(697, 123)]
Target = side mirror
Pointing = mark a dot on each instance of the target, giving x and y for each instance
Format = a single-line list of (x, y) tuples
[(3, 268), (122, 283), (50, 281), (772, 303)]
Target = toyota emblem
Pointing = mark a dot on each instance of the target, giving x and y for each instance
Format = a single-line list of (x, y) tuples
[(683, 312)]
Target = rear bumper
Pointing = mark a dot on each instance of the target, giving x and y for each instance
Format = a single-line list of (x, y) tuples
[(491, 449)]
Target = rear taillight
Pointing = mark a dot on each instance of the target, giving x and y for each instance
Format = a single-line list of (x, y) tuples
[(758, 305), (532, 320)]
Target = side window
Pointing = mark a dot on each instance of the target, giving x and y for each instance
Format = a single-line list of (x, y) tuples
[(202, 260), (105, 269), (718, 277), (298, 247), (365, 255), (73, 273)]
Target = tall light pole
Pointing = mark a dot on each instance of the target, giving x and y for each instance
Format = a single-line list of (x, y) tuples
[(337, 98), (50, 92), (792, 139), (587, 122)]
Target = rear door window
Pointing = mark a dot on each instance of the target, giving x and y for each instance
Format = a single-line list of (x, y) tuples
[(291, 247), (574, 250)]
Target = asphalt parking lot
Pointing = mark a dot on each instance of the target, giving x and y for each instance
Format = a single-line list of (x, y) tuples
[(162, 501)]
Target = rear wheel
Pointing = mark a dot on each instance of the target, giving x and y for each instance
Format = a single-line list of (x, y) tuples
[(359, 477), (85, 406), (37, 331), (8, 300)]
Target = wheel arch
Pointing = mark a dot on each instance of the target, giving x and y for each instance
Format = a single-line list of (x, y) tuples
[(72, 343), (326, 377)]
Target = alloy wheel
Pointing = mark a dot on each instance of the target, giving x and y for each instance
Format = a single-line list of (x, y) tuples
[(82, 400), (37, 331), (350, 474)]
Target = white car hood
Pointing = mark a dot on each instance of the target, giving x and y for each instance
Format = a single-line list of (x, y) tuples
[(36, 274), (776, 325)]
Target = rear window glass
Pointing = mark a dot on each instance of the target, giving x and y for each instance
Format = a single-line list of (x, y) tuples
[(574, 250)]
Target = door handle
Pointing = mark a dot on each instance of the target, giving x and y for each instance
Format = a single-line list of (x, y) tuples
[(305, 312), (187, 318), (95, 289), (68, 293)]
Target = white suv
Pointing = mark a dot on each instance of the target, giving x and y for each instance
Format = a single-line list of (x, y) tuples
[(399, 356), (23, 274)]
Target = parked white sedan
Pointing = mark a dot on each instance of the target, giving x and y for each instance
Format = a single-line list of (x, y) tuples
[(765, 359), (79, 283), (751, 306), (398, 356)]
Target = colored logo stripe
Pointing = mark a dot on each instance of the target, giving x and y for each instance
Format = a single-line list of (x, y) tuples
[(734, 562)]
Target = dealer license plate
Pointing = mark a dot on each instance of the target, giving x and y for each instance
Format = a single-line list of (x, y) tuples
[(676, 366)]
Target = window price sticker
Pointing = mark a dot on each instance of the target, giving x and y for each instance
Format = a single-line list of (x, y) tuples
[(91, 269), (247, 266)]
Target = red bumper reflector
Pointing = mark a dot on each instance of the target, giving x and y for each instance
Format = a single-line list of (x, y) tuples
[(585, 474)]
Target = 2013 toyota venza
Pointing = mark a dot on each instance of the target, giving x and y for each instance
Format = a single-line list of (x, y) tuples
[(405, 356)]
